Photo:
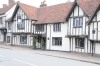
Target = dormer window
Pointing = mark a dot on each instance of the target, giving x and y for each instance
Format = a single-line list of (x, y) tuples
[(78, 22)]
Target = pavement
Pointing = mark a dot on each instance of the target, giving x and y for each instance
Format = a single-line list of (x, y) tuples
[(65, 55)]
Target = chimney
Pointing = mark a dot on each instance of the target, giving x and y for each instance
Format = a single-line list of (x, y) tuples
[(43, 4), (11, 2), (4, 5)]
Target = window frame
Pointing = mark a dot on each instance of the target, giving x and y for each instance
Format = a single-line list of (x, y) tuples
[(58, 40), (1, 20), (79, 44), (21, 41), (39, 27), (57, 27), (8, 39), (9, 25), (78, 23), (19, 25)]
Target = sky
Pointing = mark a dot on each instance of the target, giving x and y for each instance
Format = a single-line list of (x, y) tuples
[(36, 3)]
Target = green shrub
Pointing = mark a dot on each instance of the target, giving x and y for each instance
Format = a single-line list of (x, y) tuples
[(42, 42), (34, 42)]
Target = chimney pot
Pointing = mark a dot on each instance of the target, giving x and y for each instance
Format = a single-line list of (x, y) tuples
[(43, 4), (4, 5), (11, 2)]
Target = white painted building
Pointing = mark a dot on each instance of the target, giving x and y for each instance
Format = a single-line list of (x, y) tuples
[(20, 28), (52, 27), (94, 30), (77, 28), (5, 13)]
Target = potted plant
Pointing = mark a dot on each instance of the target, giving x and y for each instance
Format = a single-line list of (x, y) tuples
[(42, 44), (34, 43)]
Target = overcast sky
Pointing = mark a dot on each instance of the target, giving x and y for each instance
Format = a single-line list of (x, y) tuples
[(36, 3)]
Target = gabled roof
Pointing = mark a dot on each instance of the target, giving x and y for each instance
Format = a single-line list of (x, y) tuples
[(56, 13), (30, 11), (5, 9), (88, 22), (53, 14), (88, 6)]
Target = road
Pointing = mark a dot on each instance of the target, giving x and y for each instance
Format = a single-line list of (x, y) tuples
[(9, 57)]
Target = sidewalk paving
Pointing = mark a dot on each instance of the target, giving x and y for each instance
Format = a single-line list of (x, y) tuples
[(66, 55)]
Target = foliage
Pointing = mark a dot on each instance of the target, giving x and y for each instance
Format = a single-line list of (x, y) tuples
[(34, 42), (42, 42)]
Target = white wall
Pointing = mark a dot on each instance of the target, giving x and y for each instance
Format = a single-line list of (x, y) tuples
[(86, 48), (65, 41), (94, 26), (97, 48), (76, 31), (1, 37), (16, 40)]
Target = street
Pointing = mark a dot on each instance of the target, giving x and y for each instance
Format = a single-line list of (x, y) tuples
[(9, 57)]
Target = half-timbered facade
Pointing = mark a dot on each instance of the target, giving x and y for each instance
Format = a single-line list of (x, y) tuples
[(20, 26), (5, 13), (94, 30), (77, 29)]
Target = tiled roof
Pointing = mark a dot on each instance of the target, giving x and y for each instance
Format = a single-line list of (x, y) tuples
[(88, 6), (29, 10), (57, 13), (93, 14), (53, 14), (5, 9)]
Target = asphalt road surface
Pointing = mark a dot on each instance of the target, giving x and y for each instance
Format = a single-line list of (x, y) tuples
[(9, 57)]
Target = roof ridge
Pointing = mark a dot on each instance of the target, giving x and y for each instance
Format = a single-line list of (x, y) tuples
[(56, 4), (26, 4)]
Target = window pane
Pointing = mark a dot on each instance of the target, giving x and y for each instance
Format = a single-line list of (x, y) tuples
[(79, 42), (8, 39), (9, 26), (81, 21), (77, 21), (59, 27), (1, 20), (23, 39), (74, 22)]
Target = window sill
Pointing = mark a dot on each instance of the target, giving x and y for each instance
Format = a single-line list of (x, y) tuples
[(57, 45), (39, 31), (23, 43), (77, 27), (56, 31), (20, 28), (79, 47)]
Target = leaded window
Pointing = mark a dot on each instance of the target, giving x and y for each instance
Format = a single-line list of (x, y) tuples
[(39, 27), (57, 41), (57, 27), (79, 42), (23, 39), (8, 39), (78, 22)]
